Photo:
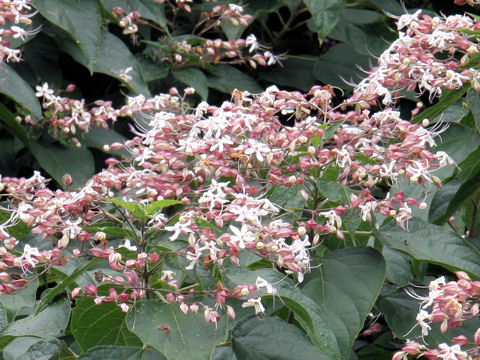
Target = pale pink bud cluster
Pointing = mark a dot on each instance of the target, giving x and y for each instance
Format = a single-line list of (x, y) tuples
[(451, 304), (412, 62)]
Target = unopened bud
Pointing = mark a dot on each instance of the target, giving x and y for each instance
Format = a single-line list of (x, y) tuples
[(67, 179), (301, 231), (423, 206), (425, 122)]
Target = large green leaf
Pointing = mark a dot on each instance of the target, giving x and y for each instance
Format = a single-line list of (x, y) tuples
[(473, 99), (470, 189), (66, 283), (59, 160), (224, 353), (48, 324), (190, 336), (441, 200), (398, 266), (296, 72), (307, 312), (114, 59), (448, 98), (148, 9), (346, 287), (458, 141), (102, 324), (272, 339), (21, 302), (325, 15), (432, 243), (470, 165), (17, 130), (227, 78), (13, 86), (97, 137), (81, 19), (106, 352), (365, 31), (195, 78), (341, 63)]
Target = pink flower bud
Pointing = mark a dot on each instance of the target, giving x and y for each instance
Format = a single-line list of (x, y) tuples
[(75, 292), (91, 290)]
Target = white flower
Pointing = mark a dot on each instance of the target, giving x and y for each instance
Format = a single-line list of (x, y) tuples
[(261, 283), (241, 236), (129, 246), (257, 303), (451, 352), (422, 316), (44, 91), (251, 41)]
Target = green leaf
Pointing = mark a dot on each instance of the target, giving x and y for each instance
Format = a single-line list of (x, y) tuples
[(441, 200), (341, 63), (365, 31), (454, 113), (287, 197), (333, 190), (190, 336), (114, 59), (398, 266), (203, 224), (307, 311), (64, 353), (432, 243), (448, 98), (272, 339), (227, 78), (156, 206), (102, 324), (41, 350), (473, 99), (224, 353), (150, 70), (12, 126), (21, 302), (458, 142), (195, 78), (48, 324), (296, 72), (470, 189), (59, 160), (19, 231), (148, 9), (66, 283), (106, 352), (470, 165), (80, 19), (260, 8), (13, 86), (97, 137), (325, 15), (135, 208), (346, 287)]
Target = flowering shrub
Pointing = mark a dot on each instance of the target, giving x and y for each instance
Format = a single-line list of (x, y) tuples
[(270, 225)]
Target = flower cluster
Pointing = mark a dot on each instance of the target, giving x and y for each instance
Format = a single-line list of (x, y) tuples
[(217, 163), (423, 58), (198, 183), (451, 304), (14, 23)]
